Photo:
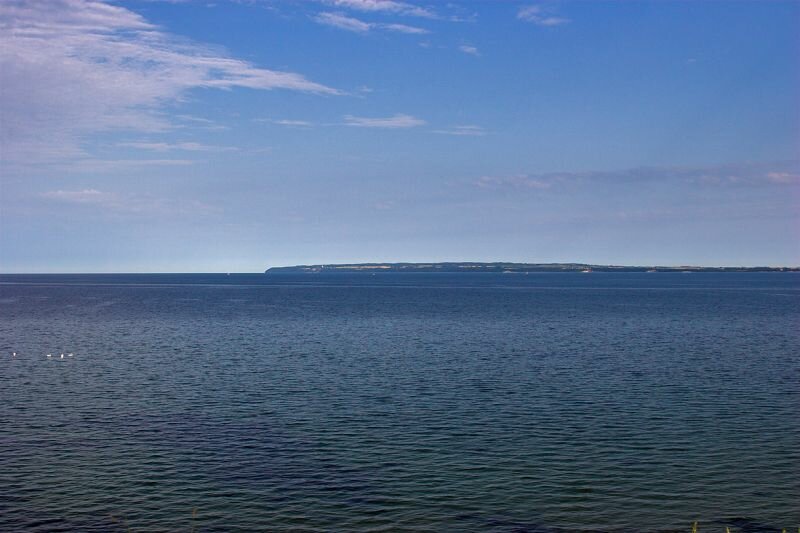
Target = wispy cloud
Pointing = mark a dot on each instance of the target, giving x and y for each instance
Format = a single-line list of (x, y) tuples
[(393, 122), (200, 122), (71, 68), (384, 205), (404, 28), (344, 22), (167, 147), (520, 181), (471, 50), (540, 16), (93, 165), (85, 196), (784, 177), (467, 130), (127, 203), (292, 123), (387, 6), (191, 118), (780, 173)]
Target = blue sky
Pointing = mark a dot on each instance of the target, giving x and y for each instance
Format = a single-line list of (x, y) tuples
[(149, 136)]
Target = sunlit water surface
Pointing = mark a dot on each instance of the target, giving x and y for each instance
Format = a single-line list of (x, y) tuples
[(400, 402)]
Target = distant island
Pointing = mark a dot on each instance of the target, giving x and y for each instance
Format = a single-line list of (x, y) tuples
[(508, 268)]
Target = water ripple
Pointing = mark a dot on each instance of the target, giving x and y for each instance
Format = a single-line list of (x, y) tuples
[(534, 404)]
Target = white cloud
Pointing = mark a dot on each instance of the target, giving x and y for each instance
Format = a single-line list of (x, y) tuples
[(127, 203), (388, 6), (774, 174), (540, 16), (520, 181), (393, 122), (293, 123), (86, 196), (404, 28), (783, 177), (92, 165), (167, 147), (190, 118), (200, 122), (471, 50), (467, 130), (343, 22), (383, 205), (72, 68)]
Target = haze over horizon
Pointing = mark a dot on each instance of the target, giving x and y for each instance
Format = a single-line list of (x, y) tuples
[(169, 136)]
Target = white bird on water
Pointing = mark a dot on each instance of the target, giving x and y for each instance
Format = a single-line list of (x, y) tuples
[(62, 356), (49, 356), (69, 354), (13, 354)]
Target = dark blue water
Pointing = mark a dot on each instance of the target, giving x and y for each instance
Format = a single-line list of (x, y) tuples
[(400, 402)]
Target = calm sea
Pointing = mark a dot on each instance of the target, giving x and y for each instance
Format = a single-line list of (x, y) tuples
[(400, 402)]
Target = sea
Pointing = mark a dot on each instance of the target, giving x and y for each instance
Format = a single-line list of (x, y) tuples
[(543, 402)]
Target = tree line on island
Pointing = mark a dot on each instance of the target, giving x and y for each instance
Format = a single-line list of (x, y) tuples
[(510, 268)]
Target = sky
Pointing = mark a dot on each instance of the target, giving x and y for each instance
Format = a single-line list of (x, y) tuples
[(223, 136)]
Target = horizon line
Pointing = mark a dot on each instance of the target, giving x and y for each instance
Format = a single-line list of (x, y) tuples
[(233, 272)]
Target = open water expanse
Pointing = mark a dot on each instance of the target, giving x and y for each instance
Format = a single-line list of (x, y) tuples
[(400, 402)]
